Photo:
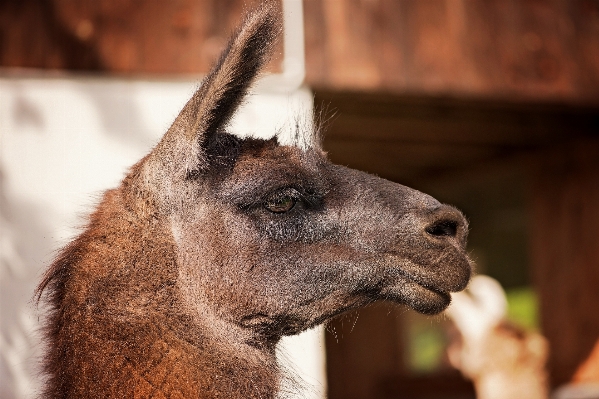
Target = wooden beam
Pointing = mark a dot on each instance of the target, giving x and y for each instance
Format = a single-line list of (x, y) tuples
[(500, 49), (122, 36), (565, 252), (411, 139)]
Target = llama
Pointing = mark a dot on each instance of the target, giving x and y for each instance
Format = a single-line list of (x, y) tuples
[(214, 246), (502, 360)]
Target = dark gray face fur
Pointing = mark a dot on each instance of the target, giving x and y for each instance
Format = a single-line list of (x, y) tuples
[(249, 259), (349, 238)]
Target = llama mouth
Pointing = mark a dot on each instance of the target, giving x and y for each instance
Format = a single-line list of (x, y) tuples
[(407, 281), (423, 298)]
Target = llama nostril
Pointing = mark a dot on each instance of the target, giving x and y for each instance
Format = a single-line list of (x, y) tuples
[(443, 228), (447, 222)]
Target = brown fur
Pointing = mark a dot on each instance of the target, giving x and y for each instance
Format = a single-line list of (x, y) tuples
[(184, 280)]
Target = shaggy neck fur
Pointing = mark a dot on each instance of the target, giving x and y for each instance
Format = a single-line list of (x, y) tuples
[(115, 333)]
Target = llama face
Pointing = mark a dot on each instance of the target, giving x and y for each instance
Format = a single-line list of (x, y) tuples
[(282, 240), (274, 238)]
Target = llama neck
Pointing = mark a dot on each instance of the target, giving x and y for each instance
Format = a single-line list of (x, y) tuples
[(114, 332), (155, 361)]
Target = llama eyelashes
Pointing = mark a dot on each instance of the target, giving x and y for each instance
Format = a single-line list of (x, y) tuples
[(286, 199), (282, 202)]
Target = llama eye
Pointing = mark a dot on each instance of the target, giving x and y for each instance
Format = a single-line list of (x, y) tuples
[(280, 204)]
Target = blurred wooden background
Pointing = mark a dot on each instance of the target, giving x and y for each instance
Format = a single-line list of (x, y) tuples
[(536, 49)]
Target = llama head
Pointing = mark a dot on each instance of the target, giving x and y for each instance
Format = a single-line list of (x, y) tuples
[(273, 239)]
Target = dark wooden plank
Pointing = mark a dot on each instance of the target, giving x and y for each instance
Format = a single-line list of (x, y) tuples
[(414, 139), (406, 162), (565, 252), (374, 116), (362, 347)]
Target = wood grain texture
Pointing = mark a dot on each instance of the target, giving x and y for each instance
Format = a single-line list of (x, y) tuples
[(541, 49), (565, 252), (501, 48), (123, 36)]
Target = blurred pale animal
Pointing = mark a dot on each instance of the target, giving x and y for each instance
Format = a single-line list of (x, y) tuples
[(502, 360)]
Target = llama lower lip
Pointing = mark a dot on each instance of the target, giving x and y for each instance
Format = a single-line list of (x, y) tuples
[(429, 300), (421, 298)]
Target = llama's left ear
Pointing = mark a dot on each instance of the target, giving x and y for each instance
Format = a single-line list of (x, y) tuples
[(182, 151)]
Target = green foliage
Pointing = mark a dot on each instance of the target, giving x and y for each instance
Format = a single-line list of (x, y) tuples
[(426, 344), (523, 307)]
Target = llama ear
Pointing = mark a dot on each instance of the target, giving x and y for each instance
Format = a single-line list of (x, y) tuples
[(182, 151)]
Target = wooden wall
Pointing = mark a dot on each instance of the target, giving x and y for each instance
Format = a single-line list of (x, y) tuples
[(565, 251), (541, 49), (498, 48), (117, 36)]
